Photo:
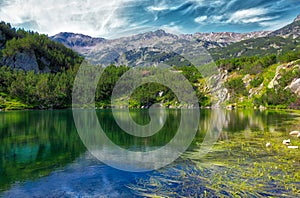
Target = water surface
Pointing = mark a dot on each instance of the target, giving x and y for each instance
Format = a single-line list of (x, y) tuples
[(42, 155)]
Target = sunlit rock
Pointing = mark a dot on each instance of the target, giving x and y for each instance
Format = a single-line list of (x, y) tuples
[(286, 142), (295, 133), (293, 147)]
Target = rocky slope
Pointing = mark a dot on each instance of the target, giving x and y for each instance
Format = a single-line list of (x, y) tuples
[(291, 30), (77, 42), (135, 50), (297, 18), (138, 49), (280, 41), (278, 84), (227, 37)]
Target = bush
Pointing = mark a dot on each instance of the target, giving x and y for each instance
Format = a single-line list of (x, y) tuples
[(236, 86), (257, 81)]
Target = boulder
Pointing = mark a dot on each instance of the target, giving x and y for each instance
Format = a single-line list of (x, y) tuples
[(261, 107), (286, 142), (293, 147), (295, 133), (295, 86), (268, 145)]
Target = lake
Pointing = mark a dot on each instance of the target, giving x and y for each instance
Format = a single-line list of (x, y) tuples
[(42, 155)]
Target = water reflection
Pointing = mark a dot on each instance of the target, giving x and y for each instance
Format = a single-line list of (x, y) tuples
[(32, 144), (109, 152), (35, 144)]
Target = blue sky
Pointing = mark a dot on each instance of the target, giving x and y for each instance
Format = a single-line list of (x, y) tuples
[(116, 18)]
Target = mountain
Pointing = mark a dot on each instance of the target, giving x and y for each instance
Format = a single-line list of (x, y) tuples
[(31, 51), (228, 37), (139, 49), (291, 30), (214, 39), (77, 42), (280, 41), (257, 47), (262, 71)]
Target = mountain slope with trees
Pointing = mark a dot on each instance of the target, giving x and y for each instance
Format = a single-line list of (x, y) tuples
[(280, 41), (31, 51)]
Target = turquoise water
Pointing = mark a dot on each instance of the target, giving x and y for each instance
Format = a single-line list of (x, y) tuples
[(42, 154)]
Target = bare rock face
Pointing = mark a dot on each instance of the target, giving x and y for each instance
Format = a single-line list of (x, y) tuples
[(77, 42), (24, 61), (274, 81), (129, 50), (292, 29), (295, 86), (2, 40), (229, 37)]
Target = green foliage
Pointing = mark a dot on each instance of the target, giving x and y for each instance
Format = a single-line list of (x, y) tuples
[(288, 76), (191, 73), (53, 90), (257, 81), (236, 87), (278, 97), (289, 56), (257, 47), (107, 82), (148, 94), (46, 51), (37, 90), (249, 65)]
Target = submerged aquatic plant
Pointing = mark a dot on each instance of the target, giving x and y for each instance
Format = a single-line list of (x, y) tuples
[(241, 166)]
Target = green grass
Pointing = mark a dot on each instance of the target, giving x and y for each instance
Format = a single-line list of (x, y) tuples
[(7, 104)]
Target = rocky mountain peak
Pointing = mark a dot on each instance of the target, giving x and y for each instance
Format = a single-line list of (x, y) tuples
[(292, 29), (160, 32), (157, 33), (73, 40)]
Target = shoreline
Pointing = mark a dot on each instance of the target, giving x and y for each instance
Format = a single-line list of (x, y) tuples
[(173, 108)]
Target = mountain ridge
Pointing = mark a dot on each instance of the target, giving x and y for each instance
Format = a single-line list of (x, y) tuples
[(132, 49), (73, 40), (219, 37)]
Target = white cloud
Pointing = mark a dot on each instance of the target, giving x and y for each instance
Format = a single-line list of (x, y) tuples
[(200, 19), (241, 16), (274, 25), (115, 18), (162, 5), (172, 28), (257, 19), (216, 19), (92, 17), (157, 8), (214, 3)]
